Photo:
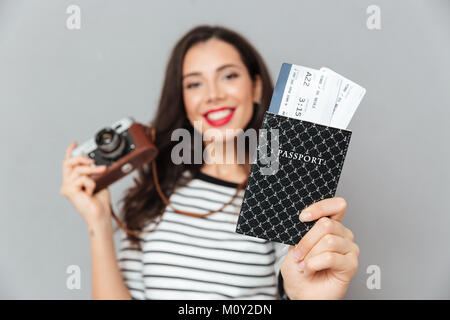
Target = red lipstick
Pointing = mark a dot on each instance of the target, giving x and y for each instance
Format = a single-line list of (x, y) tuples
[(221, 120)]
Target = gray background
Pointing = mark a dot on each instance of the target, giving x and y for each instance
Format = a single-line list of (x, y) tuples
[(57, 86)]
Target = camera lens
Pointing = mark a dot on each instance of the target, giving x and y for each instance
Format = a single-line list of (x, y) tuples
[(110, 144)]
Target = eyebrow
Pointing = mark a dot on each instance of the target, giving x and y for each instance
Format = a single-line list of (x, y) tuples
[(218, 69)]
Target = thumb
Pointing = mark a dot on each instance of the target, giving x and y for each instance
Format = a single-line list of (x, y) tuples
[(294, 268), (104, 196), (290, 257)]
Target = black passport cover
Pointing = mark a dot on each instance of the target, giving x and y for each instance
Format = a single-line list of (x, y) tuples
[(275, 197)]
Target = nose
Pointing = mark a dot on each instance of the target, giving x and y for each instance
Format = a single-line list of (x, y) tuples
[(215, 92)]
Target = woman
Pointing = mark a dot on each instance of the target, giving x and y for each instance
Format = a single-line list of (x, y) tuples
[(214, 80)]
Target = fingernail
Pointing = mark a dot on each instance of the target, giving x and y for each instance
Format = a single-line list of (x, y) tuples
[(301, 267), (305, 216), (298, 253)]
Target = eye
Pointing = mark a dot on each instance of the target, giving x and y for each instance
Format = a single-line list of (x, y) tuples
[(193, 85), (232, 75)]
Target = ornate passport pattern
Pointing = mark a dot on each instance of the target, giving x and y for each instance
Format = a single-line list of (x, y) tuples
[(273, 200)]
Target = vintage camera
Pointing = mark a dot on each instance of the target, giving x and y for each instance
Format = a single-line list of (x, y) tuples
[(124, 146)]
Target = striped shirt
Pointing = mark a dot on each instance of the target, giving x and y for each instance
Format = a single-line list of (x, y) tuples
[(201, 258)]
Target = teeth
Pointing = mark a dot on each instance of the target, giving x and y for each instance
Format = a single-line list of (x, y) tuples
[(218, 114)]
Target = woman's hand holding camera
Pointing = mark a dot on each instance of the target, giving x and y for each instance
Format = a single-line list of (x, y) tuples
[(78, 187)]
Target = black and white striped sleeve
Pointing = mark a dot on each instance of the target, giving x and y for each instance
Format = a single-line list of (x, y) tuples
[(130, 263), (280, 252)]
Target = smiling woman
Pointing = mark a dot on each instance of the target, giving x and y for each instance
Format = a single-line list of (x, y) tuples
[(221, 83), (215, 80), (217, 86), (212, 70)]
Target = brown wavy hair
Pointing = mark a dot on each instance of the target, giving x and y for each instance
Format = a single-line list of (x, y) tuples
[(141, 203)]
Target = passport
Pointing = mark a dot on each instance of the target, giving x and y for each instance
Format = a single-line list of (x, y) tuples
[(309, 159), (308, 114)]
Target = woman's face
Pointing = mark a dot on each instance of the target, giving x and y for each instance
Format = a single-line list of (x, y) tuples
[(217, 88)]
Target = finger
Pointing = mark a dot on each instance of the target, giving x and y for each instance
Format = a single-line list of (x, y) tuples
[(86, 170), (333, 261), (70, 163), (83, 183), (77, 160), (331, 207), (70, 148), (321, 228), (332, 243)]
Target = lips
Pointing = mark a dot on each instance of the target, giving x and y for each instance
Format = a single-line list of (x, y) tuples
[(219, 116)]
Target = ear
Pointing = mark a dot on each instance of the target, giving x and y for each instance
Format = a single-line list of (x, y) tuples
[(257, 89)]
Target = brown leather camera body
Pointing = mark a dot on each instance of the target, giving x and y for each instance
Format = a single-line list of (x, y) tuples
[(144, 152)]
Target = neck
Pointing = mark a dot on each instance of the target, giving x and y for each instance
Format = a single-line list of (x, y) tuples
[(225, 165), (228, 172)]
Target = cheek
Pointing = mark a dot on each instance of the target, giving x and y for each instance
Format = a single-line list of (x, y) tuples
[(242, 91), (192, 104)]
